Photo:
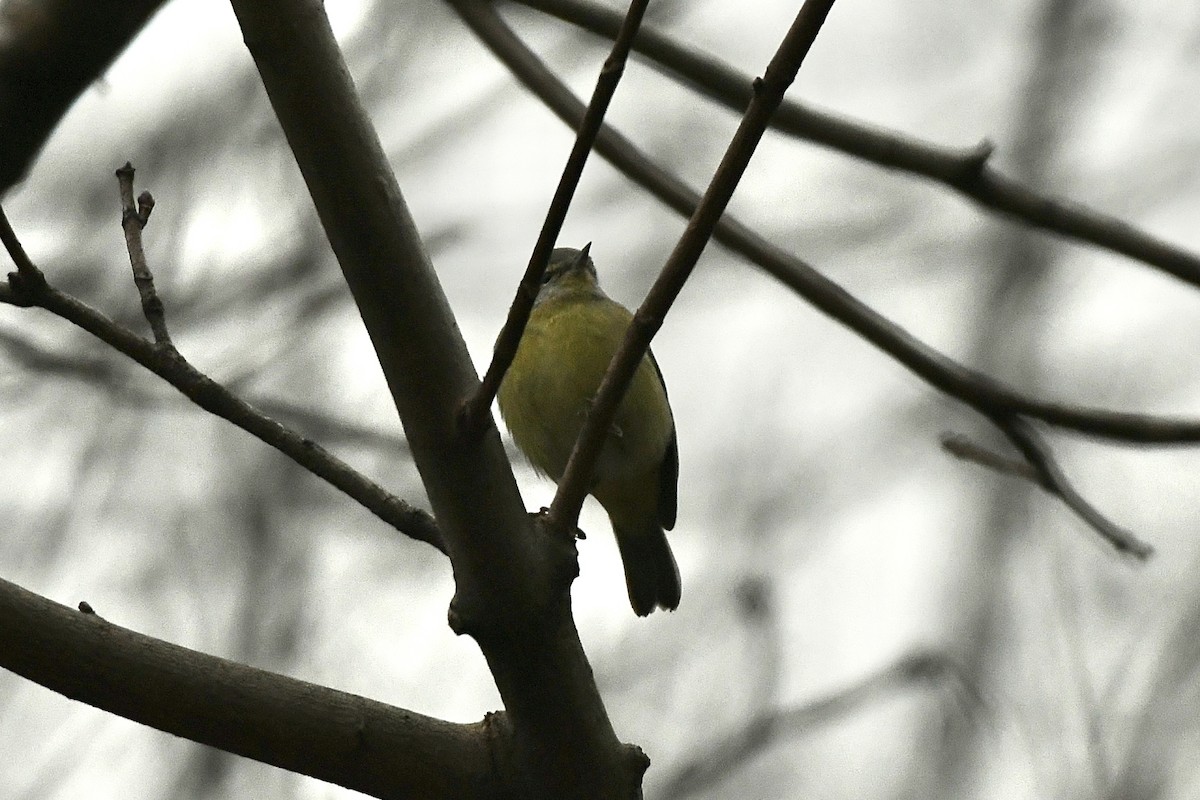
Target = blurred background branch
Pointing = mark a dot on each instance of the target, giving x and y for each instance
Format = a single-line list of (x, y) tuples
[(50, 52)]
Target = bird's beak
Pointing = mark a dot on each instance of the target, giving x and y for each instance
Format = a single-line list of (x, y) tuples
[(582, 258)]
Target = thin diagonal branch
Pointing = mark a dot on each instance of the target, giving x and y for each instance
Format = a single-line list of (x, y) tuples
[(966, 170), (104, 373), (28, 278), (1039, 466), (172, 367), (1051, 478), (973, 388), (768, 94), (477, 409)]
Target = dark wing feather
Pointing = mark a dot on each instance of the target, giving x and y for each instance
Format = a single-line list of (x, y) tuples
[(668, 473)]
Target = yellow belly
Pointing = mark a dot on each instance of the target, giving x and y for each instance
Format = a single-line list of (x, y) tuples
[(562, 358)]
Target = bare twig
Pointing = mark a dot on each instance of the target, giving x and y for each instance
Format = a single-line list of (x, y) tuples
[(966, 170), (133, 219), (169, 364), (476, 410), (1051, 478), (1040, 467), (768, 93), (963, 448)]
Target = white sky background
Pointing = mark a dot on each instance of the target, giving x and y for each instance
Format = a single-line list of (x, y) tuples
[(810, 462)]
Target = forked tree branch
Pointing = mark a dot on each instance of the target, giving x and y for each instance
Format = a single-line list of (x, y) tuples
[(134, 217), (28, 287), (511, 585)]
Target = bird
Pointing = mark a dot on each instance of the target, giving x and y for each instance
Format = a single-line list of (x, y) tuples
[(572, 333)]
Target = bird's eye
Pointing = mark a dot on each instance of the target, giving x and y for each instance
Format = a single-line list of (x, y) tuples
[(547, 275)]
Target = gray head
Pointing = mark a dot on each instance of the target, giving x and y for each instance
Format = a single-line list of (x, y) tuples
[(570, 271), (567, 259)]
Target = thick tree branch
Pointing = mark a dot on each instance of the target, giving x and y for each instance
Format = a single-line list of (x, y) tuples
[(342, 738), (512, 587), (966, 170), (424, 361)]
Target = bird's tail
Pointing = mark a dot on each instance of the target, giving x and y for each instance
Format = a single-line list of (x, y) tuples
[(651, 575)]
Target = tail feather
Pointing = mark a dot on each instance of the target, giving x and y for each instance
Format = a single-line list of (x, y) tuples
[(651, 575)]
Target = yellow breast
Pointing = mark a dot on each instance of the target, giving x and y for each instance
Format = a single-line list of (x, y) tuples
[(561, 360)]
